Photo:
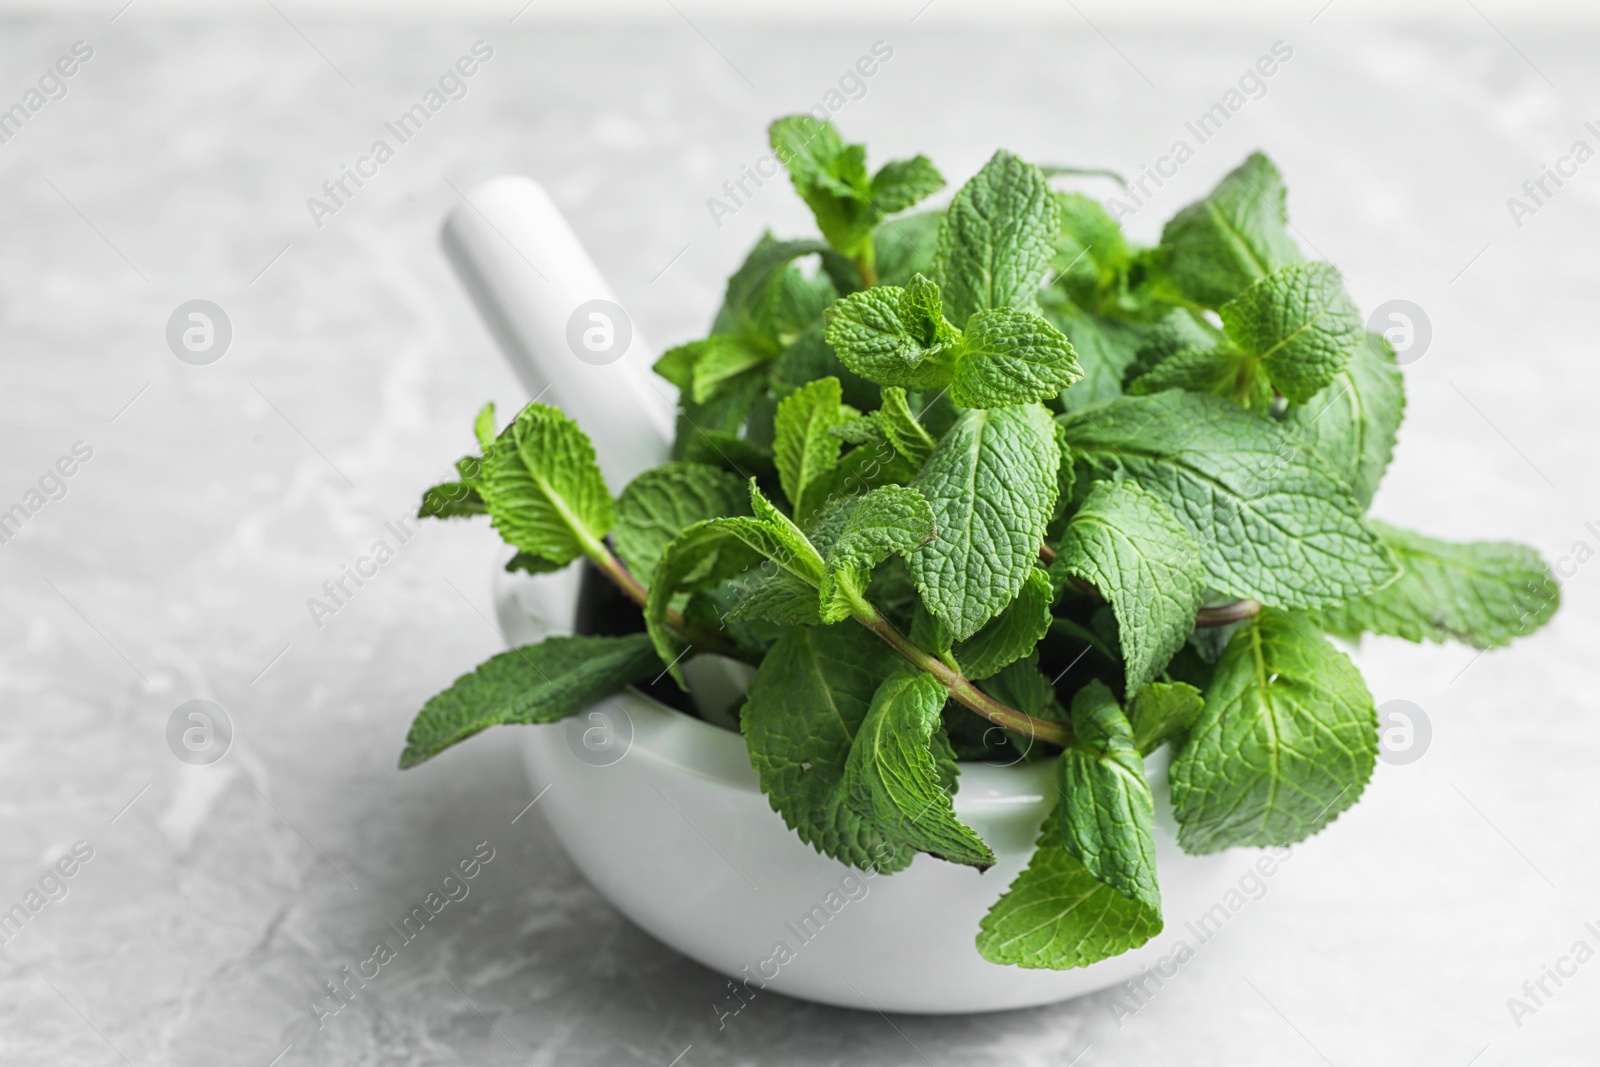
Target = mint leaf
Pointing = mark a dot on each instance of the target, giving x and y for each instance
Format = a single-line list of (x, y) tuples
[(1022, 685), (863, 469), (928, 633), (1216, 248), (538, 683), (779, 597), (709, 433), (875, 333), (770, 320), (1222, 370), (1130, 546), (1162, 711), (831, 177), (1481, 593), (901, 183), (1011, 357), (768, 302), (893, 779), (905, 247), (725, 450), (543, 488), (992, 485), (658, 504), (899, 337), (711, 552), (1012, 634), (1299, 323), (804, 446), (886, 522), (1273, 522), (901, 428), (1175, 331), (780, 540), (1352, 423), (1286, 742), (1066, 476), (705, 369), (483, 427), (701, 556), (451, 500), (996, 239), (922, 313), (1057, 915), (1104, 348), (1106, 811), (859, 430), (529, 563), (804, 708), (1091, 258)]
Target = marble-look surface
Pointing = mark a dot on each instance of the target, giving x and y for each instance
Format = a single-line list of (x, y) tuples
[(219, 498)]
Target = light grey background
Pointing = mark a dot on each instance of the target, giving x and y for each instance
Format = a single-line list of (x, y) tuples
[(219, 498)]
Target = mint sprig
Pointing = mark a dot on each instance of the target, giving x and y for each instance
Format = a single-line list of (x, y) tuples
[(1027, 499)]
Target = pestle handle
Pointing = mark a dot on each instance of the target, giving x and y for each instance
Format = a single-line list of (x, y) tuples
[(539, 292), (559, 323)]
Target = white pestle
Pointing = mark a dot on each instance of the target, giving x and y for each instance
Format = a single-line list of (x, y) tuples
[(536, 287), (574, 347)]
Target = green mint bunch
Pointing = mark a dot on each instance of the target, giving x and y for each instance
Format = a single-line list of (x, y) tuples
[(989, 482)]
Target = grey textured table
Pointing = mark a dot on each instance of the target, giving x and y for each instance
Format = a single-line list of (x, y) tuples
[(218, 498)]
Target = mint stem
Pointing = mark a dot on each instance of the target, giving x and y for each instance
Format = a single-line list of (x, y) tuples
[(960, 688), (963, 690), (1223, 614), (613, 568)]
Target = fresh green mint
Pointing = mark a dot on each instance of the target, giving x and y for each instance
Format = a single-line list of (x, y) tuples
[(989, 481)]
